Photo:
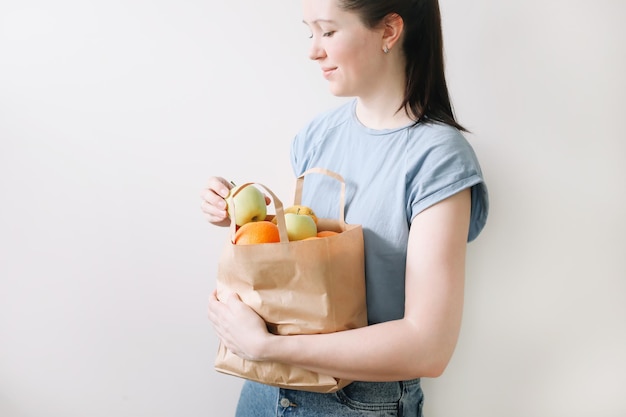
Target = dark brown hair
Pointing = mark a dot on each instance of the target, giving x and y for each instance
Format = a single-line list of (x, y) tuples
[(426, 94)]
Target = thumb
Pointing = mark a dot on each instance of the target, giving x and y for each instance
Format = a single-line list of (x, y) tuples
[(232, 296)]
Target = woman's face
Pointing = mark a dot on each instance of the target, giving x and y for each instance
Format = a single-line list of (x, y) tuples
[(348, 53)]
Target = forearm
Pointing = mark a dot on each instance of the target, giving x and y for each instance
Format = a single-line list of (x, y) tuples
[(391, 351), (419, 345)]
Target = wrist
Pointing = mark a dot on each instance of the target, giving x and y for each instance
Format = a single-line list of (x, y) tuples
[(267, 347), (275, 347)]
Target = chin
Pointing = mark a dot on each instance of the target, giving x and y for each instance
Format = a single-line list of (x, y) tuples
[(338, 91)]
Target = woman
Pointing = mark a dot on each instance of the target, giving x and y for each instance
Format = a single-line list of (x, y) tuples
[(413, 183)]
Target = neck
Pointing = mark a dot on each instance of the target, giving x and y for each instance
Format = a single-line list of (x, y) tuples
[(378, 107), (382, 113)]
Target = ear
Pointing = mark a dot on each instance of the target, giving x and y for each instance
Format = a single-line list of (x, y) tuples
[(393, 26)]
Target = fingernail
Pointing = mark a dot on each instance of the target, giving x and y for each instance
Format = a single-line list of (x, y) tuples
[(222, 204)]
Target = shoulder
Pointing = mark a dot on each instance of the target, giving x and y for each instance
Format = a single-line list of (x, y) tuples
[(329, 119), (316, 132), (434, 146), (437, 136), (442, 162)]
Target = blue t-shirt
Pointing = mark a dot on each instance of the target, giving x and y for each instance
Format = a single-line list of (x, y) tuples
[(391, 176)]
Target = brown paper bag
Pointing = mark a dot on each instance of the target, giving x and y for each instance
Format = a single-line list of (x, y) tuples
[(301, 287)]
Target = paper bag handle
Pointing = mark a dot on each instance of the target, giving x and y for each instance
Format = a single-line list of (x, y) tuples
[(324, 171), (278, 207)]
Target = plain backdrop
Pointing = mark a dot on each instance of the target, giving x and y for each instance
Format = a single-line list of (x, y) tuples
[(113, 115)]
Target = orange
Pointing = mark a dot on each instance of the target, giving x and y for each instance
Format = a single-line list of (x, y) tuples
[(257, 232), (325, 233)]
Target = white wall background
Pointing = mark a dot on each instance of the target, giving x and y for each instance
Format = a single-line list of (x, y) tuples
[(113, 114)]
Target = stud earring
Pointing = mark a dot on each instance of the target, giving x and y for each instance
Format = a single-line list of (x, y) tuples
[(385, 49)]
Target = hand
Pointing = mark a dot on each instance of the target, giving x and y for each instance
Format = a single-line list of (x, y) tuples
[(213, 201), (214, 204), (239, 327)]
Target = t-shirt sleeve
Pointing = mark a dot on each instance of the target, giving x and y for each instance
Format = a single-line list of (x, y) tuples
[(302, 147), (442, 168), (295, 155)]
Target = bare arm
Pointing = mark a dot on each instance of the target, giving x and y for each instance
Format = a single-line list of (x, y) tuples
[(418, 345)]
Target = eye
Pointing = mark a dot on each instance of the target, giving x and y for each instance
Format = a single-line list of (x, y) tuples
[(328, 34)]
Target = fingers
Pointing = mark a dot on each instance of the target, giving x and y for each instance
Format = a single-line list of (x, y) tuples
[(220, 306), (213, 203), (213, 306), (220, 186), (222, 312), (232, 297), (238, 327)]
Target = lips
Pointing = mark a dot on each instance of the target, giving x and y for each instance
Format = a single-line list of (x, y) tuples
[(328, 71)]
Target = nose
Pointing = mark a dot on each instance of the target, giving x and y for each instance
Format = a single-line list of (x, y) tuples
[(316, 51)]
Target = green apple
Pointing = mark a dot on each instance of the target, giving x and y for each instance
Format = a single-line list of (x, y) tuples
[(300, 226), (249, 205)]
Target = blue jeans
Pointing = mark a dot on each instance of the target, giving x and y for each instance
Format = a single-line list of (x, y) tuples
[(365, 399)]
